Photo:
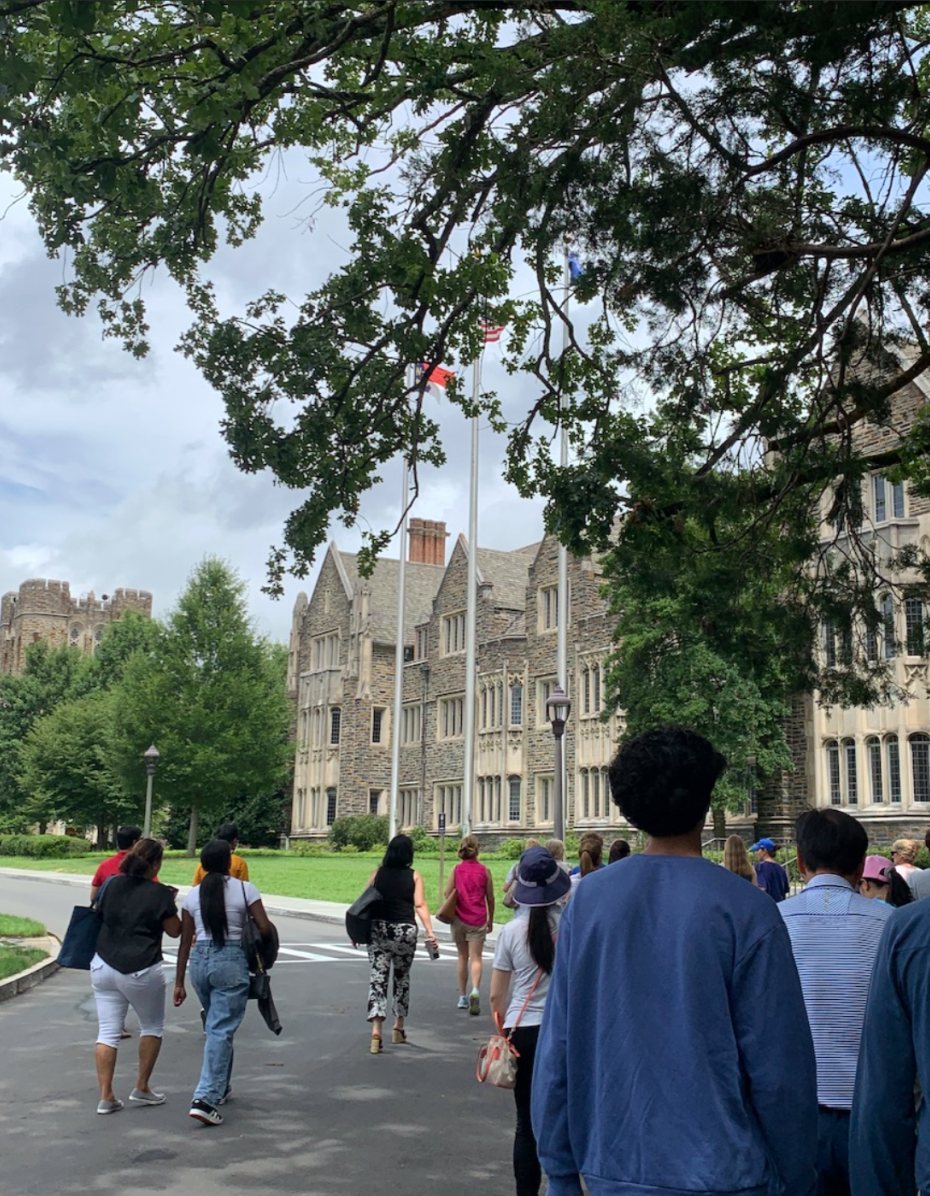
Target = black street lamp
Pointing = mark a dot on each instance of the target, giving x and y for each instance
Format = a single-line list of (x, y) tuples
[(558, 708), (151, 758)]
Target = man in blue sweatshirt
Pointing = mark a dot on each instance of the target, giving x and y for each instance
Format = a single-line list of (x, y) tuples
[(889, 1140), (675, 1056)]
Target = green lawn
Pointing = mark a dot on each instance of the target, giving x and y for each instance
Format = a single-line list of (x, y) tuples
[(17, 959), (320, 878), (20, 928)]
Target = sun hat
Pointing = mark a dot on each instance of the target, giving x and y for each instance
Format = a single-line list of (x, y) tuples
[(539, 879), (766, 844), (876, 867)]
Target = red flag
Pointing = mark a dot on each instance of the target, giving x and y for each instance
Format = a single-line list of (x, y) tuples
[(438, 376), (492, 332)]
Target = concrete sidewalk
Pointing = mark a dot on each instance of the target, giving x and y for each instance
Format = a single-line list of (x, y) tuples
[(281, 907)]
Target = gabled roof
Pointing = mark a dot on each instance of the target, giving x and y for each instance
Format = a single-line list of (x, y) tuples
[(507, 572), (421, 584)]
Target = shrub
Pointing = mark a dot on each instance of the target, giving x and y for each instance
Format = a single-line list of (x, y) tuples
[(43, 847), (422, 839), (571, 846), (310, 849), (511, 849), (364, 832), (349, 849)]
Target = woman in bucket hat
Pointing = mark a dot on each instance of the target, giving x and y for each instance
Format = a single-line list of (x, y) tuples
[(522, 967)]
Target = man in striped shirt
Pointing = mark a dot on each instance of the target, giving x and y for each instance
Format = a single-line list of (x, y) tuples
[(834, 935)]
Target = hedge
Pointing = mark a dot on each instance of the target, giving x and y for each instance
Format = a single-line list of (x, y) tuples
[(43, 847)]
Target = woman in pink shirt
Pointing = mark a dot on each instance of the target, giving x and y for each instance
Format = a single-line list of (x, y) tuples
[(474, 917)]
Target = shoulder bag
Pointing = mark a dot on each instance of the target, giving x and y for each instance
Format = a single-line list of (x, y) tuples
[(449, 908), (360, 913), (79, 945), (497, 1059)]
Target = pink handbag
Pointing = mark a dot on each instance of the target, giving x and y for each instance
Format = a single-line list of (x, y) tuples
[(497, 1059)]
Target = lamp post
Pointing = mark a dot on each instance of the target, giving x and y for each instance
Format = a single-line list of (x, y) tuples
[(558, 708), (151, 758)]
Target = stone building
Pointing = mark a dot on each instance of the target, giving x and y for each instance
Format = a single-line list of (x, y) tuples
[(342, 679), (873, 763), (44, 611)]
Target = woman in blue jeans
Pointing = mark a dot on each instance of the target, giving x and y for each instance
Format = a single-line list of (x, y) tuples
[(212, 919)]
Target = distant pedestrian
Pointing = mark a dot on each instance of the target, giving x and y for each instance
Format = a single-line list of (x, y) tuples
[(619, 850), (126, 839), (474, 918), (675, 1054), (736, 859), (889, 1138), (523, 963), (238, 869), (213, 915), (903, 854), (394, 936), (511, 872), (834, 934), (881, 880), (770, 875), (127, 968), (556, 849), (590, 857), (919, 880)]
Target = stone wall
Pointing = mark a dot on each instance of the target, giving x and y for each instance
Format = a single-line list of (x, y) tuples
[(44, 611)]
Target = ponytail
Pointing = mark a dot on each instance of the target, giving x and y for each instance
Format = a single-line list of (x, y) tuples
[(589, 857), (215, 860), (144, 861), (899, 890), (539, 938)]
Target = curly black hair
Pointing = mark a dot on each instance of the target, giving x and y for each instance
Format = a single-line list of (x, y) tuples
[(662, 780)]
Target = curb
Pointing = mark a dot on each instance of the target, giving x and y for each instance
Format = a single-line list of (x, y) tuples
[(23, 981)]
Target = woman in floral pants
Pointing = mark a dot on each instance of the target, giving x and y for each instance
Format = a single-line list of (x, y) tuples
[(394, 936)]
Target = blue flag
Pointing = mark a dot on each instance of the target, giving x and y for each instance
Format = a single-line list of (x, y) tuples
[(575, 268)]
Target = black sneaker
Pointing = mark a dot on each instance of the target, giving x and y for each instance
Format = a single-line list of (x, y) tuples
[(201, 1111)]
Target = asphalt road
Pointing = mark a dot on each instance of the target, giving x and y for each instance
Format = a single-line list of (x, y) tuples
[(312, 1111)]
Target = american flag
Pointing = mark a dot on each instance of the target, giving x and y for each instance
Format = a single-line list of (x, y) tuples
[(492, 332)]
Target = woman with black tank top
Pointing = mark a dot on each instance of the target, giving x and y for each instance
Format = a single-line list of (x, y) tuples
[(394, 936)]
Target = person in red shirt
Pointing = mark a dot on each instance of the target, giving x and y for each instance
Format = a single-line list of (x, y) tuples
[(126, 836)]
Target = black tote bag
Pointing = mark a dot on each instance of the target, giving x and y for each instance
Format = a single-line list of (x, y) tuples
[(359, 915)]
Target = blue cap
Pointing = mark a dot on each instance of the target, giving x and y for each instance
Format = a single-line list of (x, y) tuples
[(539, 879), (766, 844)]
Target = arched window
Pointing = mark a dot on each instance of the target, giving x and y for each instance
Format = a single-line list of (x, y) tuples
[(516, 705), (893, 760), (829, 645), (888, 635), (585, 795), (914, 626), (851, 771), (920, 766), (514, 803), (873, 747), (834, 784)]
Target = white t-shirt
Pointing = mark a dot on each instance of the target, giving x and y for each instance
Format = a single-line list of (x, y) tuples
[(240, 894), (513, 955)]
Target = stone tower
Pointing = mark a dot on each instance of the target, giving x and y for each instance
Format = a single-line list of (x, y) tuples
[(44, 612)]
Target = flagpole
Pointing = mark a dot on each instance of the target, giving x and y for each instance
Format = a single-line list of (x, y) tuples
[(471, 616), (560, 790), (399, 645)]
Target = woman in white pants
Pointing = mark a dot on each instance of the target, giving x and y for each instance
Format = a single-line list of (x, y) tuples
[(135, 912)]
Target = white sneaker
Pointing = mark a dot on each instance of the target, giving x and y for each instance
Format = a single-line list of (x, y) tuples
[(147, 1098), (463, 1003)]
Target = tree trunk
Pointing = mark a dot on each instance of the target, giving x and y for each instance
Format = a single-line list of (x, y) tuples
[(101, 834), (192, 834), (43, 827), (720, 823)]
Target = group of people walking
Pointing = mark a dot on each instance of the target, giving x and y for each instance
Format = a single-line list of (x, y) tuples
[(136, 911), (770, 1043)]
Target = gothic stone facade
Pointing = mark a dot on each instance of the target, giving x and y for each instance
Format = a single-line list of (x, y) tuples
[(873, 763), (342, 680), (44, 611)]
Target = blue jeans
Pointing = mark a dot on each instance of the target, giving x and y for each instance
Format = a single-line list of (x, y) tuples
[(220, 976)]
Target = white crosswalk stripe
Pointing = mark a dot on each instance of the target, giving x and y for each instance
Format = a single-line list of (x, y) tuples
[(304, 953)]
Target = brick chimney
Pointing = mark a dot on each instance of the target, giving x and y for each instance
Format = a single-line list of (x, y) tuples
[(427, 542)]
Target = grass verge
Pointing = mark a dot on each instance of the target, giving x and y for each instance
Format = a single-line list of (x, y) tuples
[(318, 878), (17, 959), (20, 928)]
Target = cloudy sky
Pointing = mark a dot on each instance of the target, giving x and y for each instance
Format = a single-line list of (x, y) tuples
[(113, 471)]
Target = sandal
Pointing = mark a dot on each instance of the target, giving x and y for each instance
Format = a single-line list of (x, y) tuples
[(398, 1035), (376, 1044)]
